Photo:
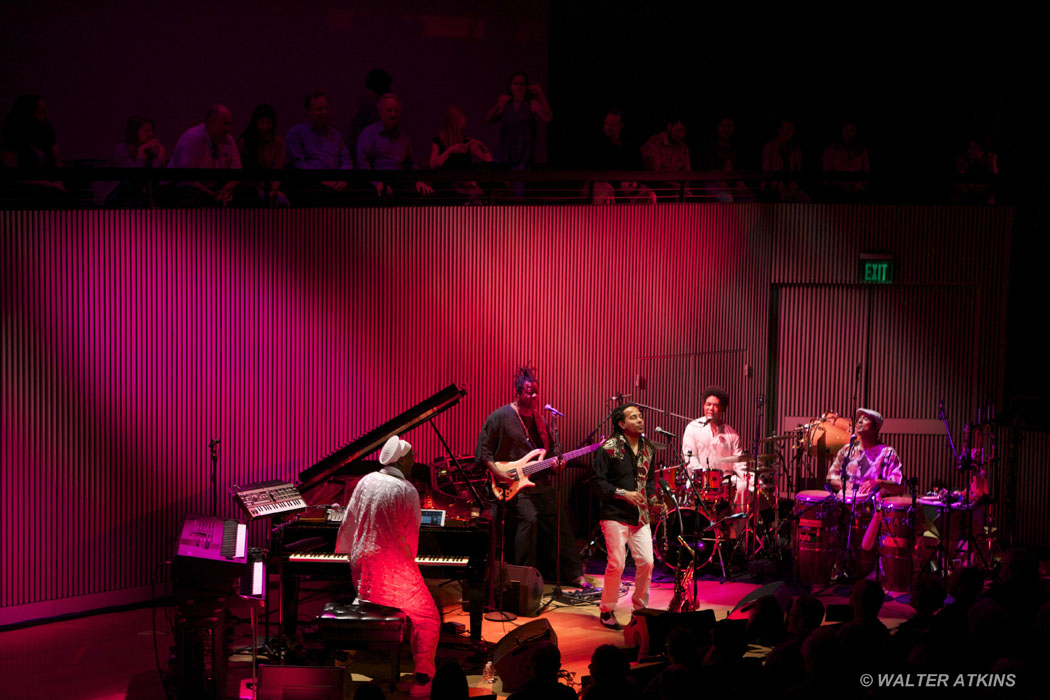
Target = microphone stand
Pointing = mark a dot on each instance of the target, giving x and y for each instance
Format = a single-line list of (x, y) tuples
[(556, 592), (213, 450)]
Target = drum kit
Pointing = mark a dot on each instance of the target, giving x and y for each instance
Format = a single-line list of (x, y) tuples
[(707, 512), (730, 512)]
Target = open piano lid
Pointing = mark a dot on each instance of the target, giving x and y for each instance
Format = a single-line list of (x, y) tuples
[(371, 441)]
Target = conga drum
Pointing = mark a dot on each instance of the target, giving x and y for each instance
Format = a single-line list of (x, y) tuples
[(864, 559), (817, 517), (897, 542)]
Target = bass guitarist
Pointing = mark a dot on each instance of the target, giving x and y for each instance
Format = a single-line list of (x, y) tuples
[(510, 433)]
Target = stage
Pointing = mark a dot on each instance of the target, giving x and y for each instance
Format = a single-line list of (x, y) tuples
[(110, 656)]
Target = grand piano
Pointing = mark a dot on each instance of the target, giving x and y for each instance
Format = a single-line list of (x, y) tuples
[(304, 544)]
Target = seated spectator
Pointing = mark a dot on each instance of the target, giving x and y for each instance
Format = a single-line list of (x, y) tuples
[(452, 149), (609, 679), (866, 637), (450, 683), (667, 152), (378, 82), (207, 145), (680, 649), (611, 152), (721, 155), (139, 149), (546, 669), (847, 156), (385, 146), (369, 691), (784, 666), (978, 162), (262, 149), (927, 597), (766, 625), (313, 145), (29, 142), (782, 155)]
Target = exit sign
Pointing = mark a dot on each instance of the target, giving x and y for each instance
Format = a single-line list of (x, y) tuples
[(876, 268)]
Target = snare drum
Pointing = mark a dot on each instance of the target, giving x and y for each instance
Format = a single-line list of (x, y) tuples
[(816, 535), (897, 542)]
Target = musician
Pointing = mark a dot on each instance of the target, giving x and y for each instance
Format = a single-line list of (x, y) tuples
[(380, 532), (709, 440), (874, 463), (511, 432), (623, 478)]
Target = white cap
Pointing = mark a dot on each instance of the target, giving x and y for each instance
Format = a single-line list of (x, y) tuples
[(394, 449), (874, 415)]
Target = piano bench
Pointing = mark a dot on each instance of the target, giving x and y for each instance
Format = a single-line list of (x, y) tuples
[(359, 624)]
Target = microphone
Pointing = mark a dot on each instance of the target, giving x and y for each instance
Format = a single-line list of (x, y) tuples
[(661, 431), (553, 410), (703, 420), (619, 397)]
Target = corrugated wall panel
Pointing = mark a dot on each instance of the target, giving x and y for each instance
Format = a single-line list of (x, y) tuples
[(130, 339)]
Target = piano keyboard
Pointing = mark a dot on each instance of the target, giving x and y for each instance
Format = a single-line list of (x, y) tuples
[(332, 558)]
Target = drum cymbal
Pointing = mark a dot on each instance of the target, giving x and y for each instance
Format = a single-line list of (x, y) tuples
[(730, 458), (768, 457)]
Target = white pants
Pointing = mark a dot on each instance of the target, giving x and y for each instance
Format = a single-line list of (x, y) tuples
[(619, 536)]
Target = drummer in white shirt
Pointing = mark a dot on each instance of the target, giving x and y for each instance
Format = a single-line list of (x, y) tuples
[(710, 443)]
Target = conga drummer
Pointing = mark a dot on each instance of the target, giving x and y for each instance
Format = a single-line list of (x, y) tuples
[(871, 466)]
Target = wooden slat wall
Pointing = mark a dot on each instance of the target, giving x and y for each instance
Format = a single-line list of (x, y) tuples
[(132, 338)]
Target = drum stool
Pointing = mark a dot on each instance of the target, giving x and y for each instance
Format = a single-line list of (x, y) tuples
[(358, 624)]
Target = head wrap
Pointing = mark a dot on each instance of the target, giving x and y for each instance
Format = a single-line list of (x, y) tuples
[(394, 449)]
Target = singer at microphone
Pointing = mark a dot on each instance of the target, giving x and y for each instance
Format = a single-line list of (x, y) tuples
[(871, 465)]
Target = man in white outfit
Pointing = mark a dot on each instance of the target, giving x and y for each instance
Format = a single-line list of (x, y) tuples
[(381, 534)]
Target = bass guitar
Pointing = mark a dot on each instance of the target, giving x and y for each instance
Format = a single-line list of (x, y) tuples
[(511, 477)]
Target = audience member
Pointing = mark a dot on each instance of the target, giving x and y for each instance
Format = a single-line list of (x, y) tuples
[(546, 669), (611, 152), (450, 683), (377, 83), (452, 149), (785, 667), (207, 145), (979, 162), (369, 691), (782, 155), (720, 155), (313, 145), (29, 142), (682, 669), (847, 156), (866, 637), (609, 679), (385, 146), (139, 149), (262, 149), (518, 113), (927, 597), (667, 152), (766, 626)]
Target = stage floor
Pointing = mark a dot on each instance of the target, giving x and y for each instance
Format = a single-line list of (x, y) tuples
[(111, 656)]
